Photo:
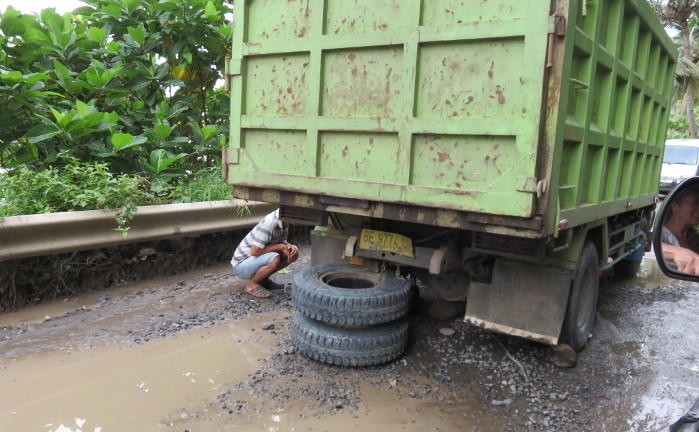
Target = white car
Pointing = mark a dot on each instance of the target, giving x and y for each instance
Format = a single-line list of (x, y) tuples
[(681, 161)]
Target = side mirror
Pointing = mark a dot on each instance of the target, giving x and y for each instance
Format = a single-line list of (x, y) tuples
[(676, 232)]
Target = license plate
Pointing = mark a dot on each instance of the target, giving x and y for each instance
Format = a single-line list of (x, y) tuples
[(385, 241)]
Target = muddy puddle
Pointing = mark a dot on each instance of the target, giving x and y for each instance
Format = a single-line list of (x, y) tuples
[(171, 384), (110, 389)]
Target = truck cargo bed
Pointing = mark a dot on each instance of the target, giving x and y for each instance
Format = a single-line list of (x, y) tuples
[(503, 108)]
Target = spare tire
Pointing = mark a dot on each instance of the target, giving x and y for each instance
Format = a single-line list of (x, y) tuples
[(349, 347), (349, 296)]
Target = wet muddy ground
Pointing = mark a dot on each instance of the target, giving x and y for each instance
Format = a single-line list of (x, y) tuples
[(192, 353)]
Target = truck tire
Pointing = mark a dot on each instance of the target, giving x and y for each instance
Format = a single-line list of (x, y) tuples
[(582, 302), (347, 295), (349, 347)]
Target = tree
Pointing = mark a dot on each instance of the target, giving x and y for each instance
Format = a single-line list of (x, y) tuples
[(680, 15), (131, 83)]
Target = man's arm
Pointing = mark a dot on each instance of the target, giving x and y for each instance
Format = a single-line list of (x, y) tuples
[(276, 247), (686, 260)]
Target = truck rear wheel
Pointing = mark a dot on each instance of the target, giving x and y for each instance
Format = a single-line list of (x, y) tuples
[(349, 347), (349, 296), (582, 302)]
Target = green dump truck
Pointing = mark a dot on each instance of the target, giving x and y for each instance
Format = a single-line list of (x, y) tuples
[(507, 152)]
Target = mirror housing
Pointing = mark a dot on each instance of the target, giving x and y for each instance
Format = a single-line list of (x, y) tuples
[(692, 182)]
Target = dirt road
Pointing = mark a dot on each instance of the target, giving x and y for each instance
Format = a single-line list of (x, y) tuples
[(191, 353)]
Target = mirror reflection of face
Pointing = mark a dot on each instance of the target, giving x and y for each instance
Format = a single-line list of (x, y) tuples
[(687, 210), (679, 244)]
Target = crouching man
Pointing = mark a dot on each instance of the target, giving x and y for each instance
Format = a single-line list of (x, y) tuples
[(263, 252)]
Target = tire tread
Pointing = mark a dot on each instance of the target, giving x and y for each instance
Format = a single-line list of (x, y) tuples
[(349, 347)]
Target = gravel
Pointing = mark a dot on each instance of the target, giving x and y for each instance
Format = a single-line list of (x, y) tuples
[(468, 365)]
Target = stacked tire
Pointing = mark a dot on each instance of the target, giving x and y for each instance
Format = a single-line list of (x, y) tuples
[(347, 316)]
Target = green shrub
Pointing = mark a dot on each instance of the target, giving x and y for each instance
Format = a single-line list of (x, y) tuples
[(204, 185), (74, 186), (131, 83)]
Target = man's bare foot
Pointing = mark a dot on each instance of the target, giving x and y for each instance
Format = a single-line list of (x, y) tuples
[(257, 291), (271, 285)]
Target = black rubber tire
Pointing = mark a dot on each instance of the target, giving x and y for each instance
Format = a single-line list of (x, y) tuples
[(349, 347), (387, 300), (582, 302)]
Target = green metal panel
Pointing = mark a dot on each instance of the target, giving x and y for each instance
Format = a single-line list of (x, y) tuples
[(454, 104), (428, 102), (614, 104)]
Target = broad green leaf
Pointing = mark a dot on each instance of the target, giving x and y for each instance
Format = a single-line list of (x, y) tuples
[(138, 140), (34, 78), (121, 140), (109, 74), (131, 5), (162, 130), (14, 76), (112, 9), (211, 12), (10, 12), (140, 84), (42, 133), (210, 9), (94, 79), (208, 131), (113, 46), (33, 150), (50, 93), (32, 29), (52, 20), (12, 26), (93, 119), (161, 159), (84, 10), (224, 29), (97, 34), (109, 120), (130, 42), (84, 109), (138, 34), (179, 71), (63, 118), (20, 158), (37, 86), (63, 76), (62, 71)]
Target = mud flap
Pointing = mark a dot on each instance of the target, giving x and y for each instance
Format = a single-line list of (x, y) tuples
[(522, 300)]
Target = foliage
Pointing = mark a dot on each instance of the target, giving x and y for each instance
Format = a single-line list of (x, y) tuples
[(678, 127), (73, 186), (681, 15), (124, 84), (205, 185)]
